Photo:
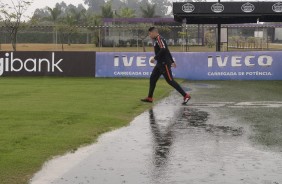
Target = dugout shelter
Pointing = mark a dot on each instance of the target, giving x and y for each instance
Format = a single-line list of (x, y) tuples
[(226, 13)]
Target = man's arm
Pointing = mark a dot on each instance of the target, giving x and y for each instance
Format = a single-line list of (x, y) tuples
[(162, 48), (171, 57)]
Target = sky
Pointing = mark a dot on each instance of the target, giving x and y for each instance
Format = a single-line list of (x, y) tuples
[(43, 3), (51, 3)]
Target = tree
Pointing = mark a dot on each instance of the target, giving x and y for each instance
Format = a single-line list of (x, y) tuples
[(210, 39), (161, 6), (116, 4), (57, 13), (78, 15), (63, 33), (126, 13), (71, 22), (1, 33), (107, 11), (142, 33), (54, 13), (199, 0), (149, 11), (161, 9), (66, 28), (135, 5), (40, 15), (54, 16), (12, 16), (95, 5), (94, 22)]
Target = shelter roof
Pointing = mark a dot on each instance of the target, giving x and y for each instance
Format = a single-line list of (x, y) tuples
[(227, 12)]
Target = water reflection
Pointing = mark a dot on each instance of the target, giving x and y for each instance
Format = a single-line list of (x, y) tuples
[(185, 121), (194, 118), (163, 139)]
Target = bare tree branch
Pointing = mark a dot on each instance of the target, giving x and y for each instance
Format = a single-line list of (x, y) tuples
[(12, 16)]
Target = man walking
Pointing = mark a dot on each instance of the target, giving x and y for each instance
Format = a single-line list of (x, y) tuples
[(163, 66)]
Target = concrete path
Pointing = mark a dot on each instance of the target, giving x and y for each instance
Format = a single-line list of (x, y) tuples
[(170, 144)]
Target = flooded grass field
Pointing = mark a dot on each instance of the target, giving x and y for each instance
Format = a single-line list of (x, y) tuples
[(225, 135)]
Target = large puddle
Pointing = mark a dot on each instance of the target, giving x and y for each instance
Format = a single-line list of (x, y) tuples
[(169, 144)]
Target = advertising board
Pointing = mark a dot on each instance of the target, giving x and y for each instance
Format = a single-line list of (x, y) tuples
[(77, 64), (195, 65)]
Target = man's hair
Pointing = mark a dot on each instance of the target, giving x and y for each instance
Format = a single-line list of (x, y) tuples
[(152, 29)]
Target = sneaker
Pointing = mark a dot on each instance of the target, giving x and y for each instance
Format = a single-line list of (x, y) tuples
[(148, 99), (186, 99)]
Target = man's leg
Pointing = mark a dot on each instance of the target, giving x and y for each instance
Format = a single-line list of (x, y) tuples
[(169, 79), (153, 81)]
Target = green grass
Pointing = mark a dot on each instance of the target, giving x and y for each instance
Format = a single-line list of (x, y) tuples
[(266, 123), (44, 117)]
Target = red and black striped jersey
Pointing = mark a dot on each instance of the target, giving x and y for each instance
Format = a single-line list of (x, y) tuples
[(162, 53)]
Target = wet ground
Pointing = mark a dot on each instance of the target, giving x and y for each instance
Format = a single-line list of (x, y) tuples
[(171, 144)]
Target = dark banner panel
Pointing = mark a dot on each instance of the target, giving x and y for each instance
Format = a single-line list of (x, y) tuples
[(73, 64), (227, 8), (227, 12)]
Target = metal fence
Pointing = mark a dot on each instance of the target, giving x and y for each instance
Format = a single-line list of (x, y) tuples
[(183, 38)]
